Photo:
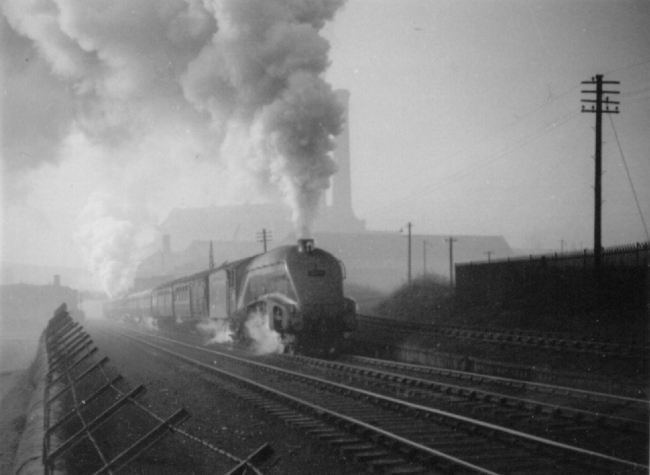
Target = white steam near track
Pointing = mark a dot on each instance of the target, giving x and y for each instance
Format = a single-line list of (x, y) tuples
[(171, 100), (217, 331), (264, 340)]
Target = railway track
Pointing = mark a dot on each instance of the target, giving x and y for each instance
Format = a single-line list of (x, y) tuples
[(541, 340), (544, 403), (393, 423), (634, 408)]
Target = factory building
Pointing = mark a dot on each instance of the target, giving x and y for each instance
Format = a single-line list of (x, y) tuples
[(373, 259)]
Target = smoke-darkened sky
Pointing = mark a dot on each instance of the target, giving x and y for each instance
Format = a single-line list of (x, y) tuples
[(119, 111), (465, 117)]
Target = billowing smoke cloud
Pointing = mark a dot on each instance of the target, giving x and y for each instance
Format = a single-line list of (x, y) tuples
[(298, 129), (37, 113), (259, 79), (175, 92), (112, 243)]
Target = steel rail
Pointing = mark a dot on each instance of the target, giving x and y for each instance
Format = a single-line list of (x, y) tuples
[(386, 399), (481, 394), (513, 337), (542, 388), (500, 379), (573, 337), (314, 407)]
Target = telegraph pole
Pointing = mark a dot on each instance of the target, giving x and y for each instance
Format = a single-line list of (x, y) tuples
[(409, 225), (211, 262), (451, 242), (489, 254), (264, 236), (597, 108)]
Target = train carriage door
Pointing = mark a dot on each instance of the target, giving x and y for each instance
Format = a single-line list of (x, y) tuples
[(232, 294), (197, 297), (217, 295), (190, 304)]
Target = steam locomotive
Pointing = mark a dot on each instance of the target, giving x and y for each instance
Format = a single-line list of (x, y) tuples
[(299, 290)]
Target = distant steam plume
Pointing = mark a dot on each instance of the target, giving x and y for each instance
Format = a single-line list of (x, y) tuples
[(112, 243), (185, 94)]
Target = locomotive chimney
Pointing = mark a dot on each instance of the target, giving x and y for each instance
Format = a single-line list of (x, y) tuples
[(305, 245)]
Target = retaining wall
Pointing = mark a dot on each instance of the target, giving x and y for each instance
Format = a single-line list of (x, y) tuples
[(29, 457)]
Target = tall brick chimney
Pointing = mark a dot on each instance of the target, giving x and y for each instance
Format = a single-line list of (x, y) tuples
[(166, 244), (341, 182)]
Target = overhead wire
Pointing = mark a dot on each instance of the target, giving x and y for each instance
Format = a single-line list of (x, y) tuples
[(629, 177), (491, 134), (525, 141), (624, 68), (464, 173), (473, 169), (630, 94)]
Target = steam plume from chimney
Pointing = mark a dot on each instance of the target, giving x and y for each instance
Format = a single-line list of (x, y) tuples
[(260, 81)]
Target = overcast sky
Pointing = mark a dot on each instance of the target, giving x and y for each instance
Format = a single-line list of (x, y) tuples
[(465, 116)]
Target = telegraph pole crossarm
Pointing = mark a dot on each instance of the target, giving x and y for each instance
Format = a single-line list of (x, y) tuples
[(264, 237)]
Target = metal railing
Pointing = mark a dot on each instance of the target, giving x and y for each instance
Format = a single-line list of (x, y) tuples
[(86, 404), (629, 255)]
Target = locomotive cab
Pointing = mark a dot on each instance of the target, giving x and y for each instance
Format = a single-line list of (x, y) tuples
[(306, 245)]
